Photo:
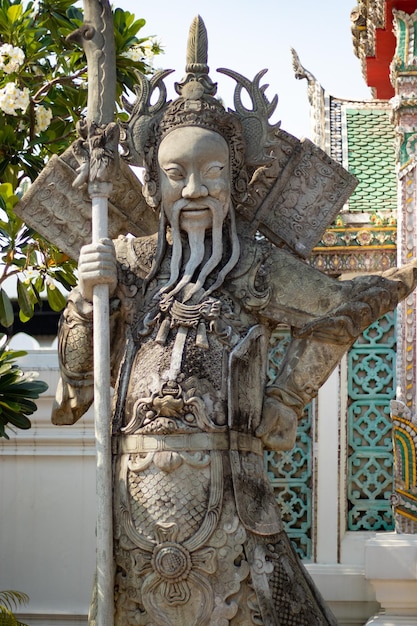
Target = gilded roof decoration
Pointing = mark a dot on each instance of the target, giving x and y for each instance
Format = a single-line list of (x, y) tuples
[(351, 238), (359, 260), (367, 18)]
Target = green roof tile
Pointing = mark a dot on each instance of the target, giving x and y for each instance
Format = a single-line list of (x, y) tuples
[(371, 157)]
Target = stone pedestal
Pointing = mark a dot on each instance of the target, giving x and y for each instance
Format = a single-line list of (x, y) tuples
[(391, 567)]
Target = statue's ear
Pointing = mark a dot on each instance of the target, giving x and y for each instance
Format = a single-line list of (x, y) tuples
[(151, 192)]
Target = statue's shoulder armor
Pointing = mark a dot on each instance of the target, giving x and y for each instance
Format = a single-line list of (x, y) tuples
[(252, 253), (248, 281), (135, 254)]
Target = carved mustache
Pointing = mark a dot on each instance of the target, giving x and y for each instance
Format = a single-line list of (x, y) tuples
[(185, 204)]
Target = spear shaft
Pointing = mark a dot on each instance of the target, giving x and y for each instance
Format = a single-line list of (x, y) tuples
[(102, 412), (97, 39)]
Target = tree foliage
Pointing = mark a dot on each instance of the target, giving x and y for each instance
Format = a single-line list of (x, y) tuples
[(43, 93), (9, 601), (17, 391)]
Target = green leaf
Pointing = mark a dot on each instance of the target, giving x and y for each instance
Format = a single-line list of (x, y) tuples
[(12, 599), (24, 299), (8, 197), (14, 12), (17, 392), (19, 421), (6, 310), (7, 618), (66, 277), (55, 298)]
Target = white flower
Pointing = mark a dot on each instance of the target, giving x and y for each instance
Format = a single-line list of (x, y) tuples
[(148, 48), (134, 53), (13, 98), (11, 58), (31, 376), (43, 117), (30, 275), (142, 52), (23, 188)]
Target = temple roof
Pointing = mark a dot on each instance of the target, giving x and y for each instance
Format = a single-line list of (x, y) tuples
[(374, 42), (371, 157)]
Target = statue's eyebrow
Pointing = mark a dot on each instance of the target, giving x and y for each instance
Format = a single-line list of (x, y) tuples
[(171, 165)]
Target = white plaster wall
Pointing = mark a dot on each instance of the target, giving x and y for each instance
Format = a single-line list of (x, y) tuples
[(47, 511), (339, 572)]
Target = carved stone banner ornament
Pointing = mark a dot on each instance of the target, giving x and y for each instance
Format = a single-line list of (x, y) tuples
[(62, 212), (198, 538)]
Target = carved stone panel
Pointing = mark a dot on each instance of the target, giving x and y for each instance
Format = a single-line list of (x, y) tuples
[(305, 199), (62, 213)]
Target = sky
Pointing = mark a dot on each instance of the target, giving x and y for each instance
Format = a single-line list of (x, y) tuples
[(248, 36)]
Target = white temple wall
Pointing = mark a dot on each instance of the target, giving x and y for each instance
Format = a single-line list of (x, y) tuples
[(47, 511)]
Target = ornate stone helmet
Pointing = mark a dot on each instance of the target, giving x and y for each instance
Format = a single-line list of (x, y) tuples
[(247, 132)]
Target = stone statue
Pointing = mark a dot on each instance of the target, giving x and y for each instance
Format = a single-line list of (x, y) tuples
[(198, 538)]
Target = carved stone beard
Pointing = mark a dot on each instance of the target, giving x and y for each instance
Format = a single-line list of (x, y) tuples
[(196, 233)]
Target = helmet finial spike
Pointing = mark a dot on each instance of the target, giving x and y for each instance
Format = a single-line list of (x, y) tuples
[(196, 68), (197, 47)]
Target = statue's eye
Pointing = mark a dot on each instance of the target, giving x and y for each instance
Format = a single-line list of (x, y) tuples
[(174, 173), (214, 170)]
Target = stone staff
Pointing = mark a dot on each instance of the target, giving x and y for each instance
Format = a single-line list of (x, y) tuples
[(96, 153)]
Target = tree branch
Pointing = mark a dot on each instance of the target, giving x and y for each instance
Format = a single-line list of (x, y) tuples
[(55, 81)]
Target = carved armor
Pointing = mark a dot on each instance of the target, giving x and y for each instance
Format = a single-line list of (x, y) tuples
[(198, 537)]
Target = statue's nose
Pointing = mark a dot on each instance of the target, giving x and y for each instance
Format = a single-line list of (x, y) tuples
[(194, 187)]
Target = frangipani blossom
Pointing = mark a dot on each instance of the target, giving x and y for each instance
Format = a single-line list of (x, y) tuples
[(43, 117), (11, 58), (12, 98)]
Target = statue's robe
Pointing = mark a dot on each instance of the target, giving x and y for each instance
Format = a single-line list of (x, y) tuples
[(198, 538)]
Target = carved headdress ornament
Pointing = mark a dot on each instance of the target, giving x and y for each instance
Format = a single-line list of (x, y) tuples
[(248, 133)]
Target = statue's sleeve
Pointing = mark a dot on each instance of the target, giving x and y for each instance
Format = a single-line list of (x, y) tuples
[(328, 317), (75, 391)]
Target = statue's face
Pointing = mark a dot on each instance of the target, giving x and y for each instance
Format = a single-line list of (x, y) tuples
[(194, 175)]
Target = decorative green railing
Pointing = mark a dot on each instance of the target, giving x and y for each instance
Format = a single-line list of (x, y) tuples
[(291, 474), (371, 386)]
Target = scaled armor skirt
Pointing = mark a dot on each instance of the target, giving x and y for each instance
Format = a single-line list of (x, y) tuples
[(195, 543)]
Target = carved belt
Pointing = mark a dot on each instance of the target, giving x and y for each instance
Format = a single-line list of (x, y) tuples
[(192, 442)]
